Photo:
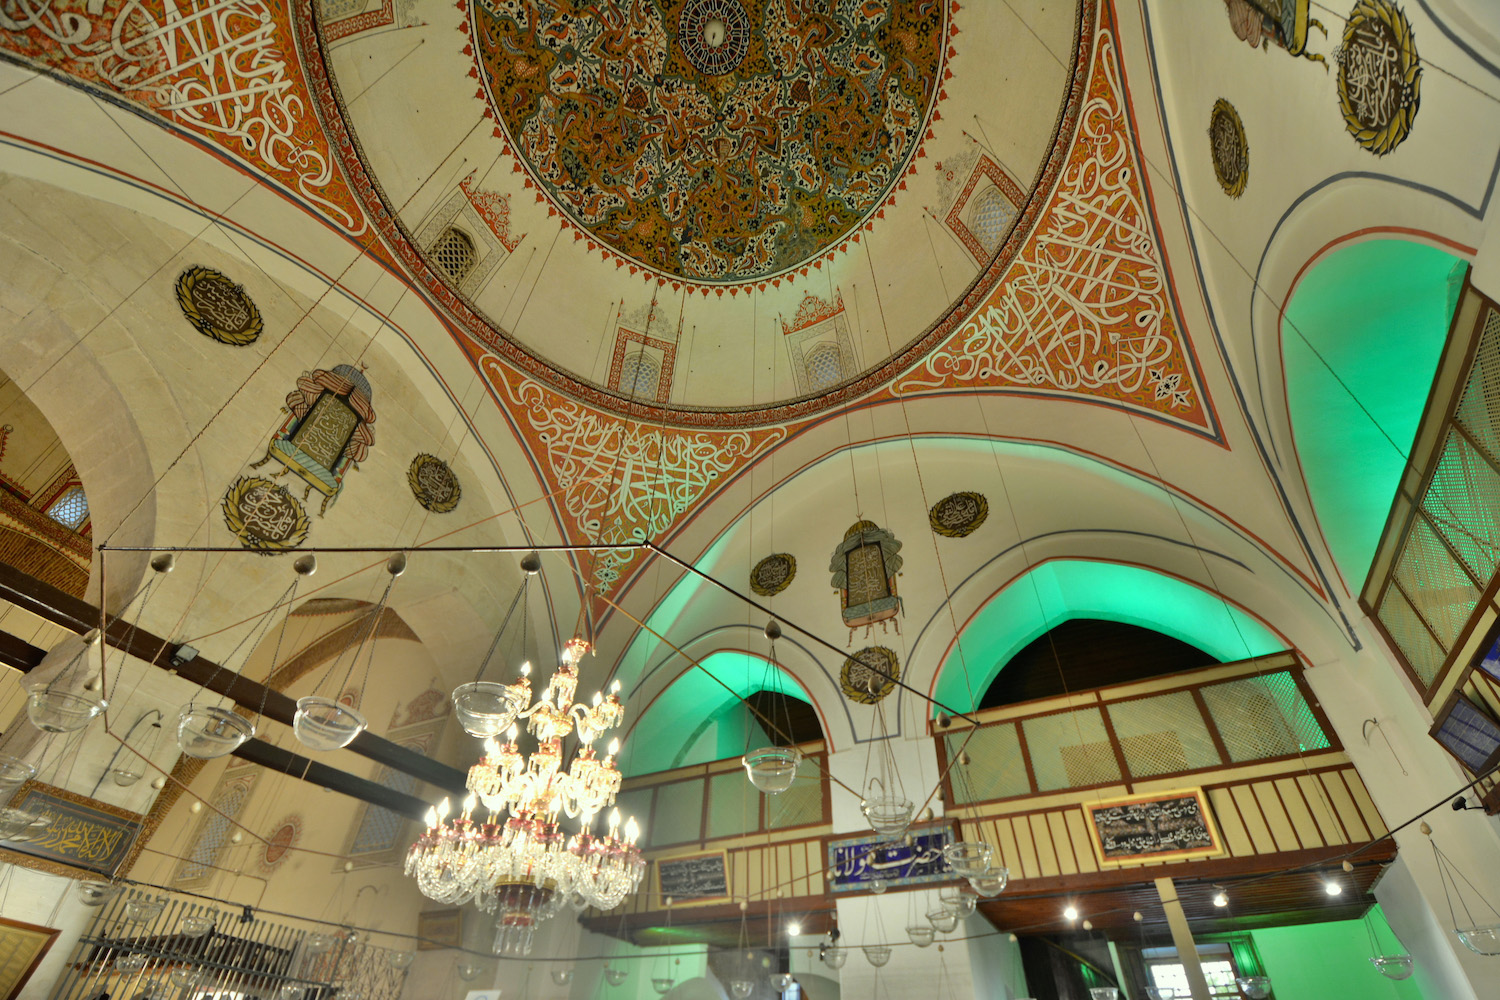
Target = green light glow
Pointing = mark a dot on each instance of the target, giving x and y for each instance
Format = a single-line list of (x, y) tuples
[(696, 719), (1061, 590), (1376, 314)]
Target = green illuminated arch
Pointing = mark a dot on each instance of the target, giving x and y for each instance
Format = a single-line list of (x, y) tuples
[(696, 720), (1058, 591), (1360, 341)]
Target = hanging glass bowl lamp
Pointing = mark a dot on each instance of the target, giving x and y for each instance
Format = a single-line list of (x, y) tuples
[(773, 769), (208, 731)]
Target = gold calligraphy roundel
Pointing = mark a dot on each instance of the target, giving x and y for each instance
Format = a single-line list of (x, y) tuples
[(958, 514), (870, 674), (433, 483), (1228, 147), (1380, 76), (773, 574), (217, 307), (265, 517)]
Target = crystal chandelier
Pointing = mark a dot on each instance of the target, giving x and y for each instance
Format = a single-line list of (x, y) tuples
[(517, 859)]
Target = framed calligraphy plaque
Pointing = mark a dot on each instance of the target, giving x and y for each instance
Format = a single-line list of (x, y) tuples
[(22, 948), (84, 833), (438, 929), (856, 862), (1164, 826), (701, 876)]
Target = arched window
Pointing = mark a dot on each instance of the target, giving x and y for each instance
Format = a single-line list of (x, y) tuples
[(379, 829), (214, 833), (989, 217), (640, 375), (453, 253), (71, 509), (824, 366)]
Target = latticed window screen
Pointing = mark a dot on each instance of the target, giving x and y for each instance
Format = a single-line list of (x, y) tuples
[(1260, 717), (998, 771), (453, 251), (1463, 501), (214, 833), (1417, 644), (824, 366), (733, 805), (71, 509), (1479, 405), (991, 216), (679, 812), (1070, 750), (1436, 585), (1163, 735), (800, 805), (379, 828), (640, 375)]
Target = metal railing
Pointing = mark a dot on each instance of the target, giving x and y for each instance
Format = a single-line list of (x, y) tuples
[(137, 948)]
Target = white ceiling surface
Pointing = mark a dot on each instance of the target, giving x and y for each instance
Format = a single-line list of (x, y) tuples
[(412, 106)]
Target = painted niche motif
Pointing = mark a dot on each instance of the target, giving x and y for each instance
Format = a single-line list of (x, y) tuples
[(217, 307), (1228, 147), (264, 515), (870, 674), (958, 515), (328, 432), (433, 483), (773, 574), (1380, 76), (280, 843), (1284, 23), (864, 568)]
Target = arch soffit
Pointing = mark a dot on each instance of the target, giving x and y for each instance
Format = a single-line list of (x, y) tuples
[(1026, 605)]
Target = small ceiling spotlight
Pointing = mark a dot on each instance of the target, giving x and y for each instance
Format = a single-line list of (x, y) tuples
[(1221, 898), (1332, 888), (793, 929), (1071, 913)]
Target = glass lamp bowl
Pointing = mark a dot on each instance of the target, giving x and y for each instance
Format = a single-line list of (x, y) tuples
[(324, 724), (403, 959), (943, 920), (773, 769), (1160, 993), (1481, 940), (131, 961), (196, 925), (1255, 987), (741, 989), (186, 979), (888, 817), (992, 882), (96, 893), (18, 825), (468, 971), (662, 985), (1104, 993), (920, 936), (61, 711), (317, 944), (968, 858), (14, 772), (614, 976), (1393, 966), (835, 958), (878, 885), (782, 981), (956, 900), (485, 708), (562, 977), (207, 731), (877, 954), (290, 991), (143, 909), (124, 776)]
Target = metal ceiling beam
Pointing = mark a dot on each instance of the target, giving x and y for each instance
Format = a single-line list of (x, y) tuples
[(75, 615), (274, 758), (18, 653)]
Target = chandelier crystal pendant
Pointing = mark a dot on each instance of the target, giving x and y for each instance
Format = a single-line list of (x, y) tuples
[(517, 860)]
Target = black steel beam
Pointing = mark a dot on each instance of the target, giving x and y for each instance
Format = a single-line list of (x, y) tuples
[(293, 765), (19, 653), (67, 611)]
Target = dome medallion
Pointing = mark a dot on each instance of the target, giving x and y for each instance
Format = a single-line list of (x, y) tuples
[(713, 141)]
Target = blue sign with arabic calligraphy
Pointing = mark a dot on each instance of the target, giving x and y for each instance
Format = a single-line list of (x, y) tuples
[(856, 862)]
